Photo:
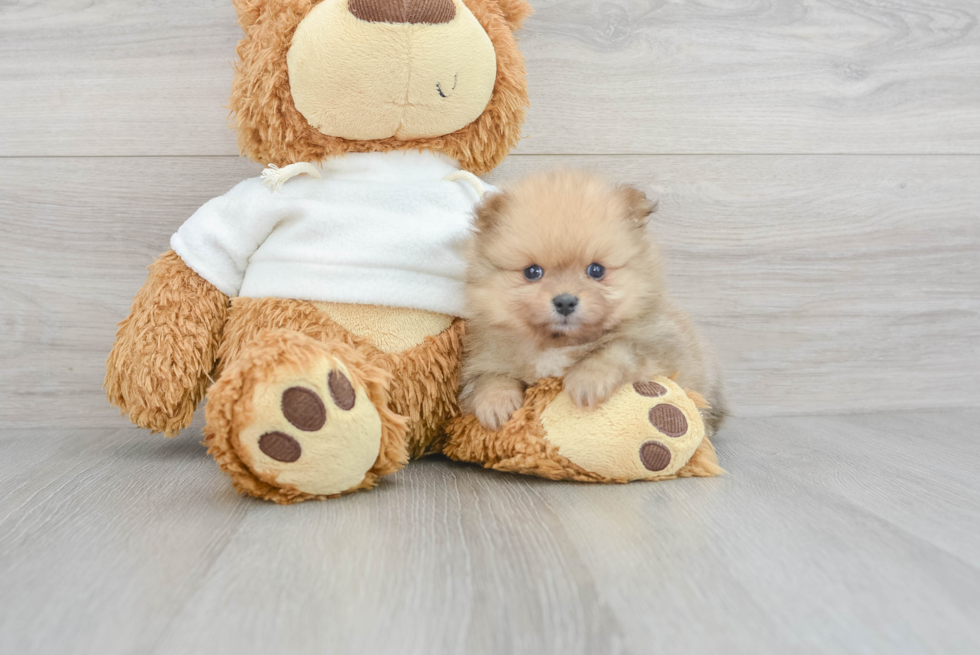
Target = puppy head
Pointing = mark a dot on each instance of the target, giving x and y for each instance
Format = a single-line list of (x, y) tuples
[(563, 258)]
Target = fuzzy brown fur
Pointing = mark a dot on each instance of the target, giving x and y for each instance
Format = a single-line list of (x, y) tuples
[(229, 408), (158, 370), (520, 446), (271, 130), (625, 327), (159, 375), (424, 388), (424, 378), (181, 327)]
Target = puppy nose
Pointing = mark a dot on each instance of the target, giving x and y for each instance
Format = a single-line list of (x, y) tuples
[(565, 304), (430, 12)]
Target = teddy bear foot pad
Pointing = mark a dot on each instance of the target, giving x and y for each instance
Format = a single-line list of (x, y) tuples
[(293, 418), (313, 431), (647, 430)]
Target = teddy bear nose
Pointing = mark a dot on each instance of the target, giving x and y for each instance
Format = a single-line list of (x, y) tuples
[(430, 12)]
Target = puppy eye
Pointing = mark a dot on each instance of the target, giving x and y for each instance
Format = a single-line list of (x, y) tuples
[(596, 271), (533, 273)]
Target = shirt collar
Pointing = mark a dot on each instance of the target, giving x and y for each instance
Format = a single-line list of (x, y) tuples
[(395, 165)]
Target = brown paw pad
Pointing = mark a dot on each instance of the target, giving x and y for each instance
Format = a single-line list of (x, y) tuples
[(654, 455), (649, 389), (648, 430), (303, 408), (669, 420), (341, 390), (280, 447)]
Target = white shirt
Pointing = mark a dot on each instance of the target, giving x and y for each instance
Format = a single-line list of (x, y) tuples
[(378, 228)]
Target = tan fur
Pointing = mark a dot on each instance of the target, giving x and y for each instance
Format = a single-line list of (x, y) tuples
[(180, 325), (609, 439), (359, 80), (165, 349), (424, 387), (424, 378), (272, 130), (515, 12), (250, 316), (415, 388), (520, 446), (390, 329), (229, 409), (626, 328)]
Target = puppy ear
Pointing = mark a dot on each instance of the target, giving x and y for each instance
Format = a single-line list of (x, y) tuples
[(490, 211), (638, 206)]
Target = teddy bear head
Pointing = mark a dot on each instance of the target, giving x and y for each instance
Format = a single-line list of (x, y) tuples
[(320, 78)]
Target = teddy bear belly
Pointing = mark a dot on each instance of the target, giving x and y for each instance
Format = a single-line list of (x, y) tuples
[(389, 329)]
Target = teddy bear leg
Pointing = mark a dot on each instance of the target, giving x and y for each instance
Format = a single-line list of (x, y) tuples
[(647, 431), (294, 418)]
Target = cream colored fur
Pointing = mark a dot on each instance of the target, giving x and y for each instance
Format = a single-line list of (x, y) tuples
[(389, 329), (606, 441), (358, 80), (336, 457), (626, 327)]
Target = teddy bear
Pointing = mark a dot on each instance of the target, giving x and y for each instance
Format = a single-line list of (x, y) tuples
[(323, 299)]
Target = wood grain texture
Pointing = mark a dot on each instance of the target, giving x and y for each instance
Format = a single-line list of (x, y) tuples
[(829, 284), (855, 294), (112, 542), (107, 532), (111, 77)]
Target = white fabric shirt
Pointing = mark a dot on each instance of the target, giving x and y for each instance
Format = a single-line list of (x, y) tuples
[(378, 228)]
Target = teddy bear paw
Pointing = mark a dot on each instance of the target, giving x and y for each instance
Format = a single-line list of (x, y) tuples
[(647, 430), (315, 432)]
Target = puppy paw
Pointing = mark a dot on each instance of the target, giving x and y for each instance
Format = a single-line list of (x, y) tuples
[(494, 407), (588, 388)]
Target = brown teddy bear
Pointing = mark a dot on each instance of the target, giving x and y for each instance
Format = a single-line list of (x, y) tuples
[(324, 296)]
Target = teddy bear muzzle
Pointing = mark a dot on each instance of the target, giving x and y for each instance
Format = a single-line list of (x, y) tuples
[(381, 69)]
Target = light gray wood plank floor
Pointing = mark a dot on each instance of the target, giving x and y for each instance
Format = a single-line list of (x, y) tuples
[(817, 164), (829, 534)]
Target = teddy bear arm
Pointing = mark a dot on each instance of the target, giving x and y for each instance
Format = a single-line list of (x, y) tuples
[(165, 350)]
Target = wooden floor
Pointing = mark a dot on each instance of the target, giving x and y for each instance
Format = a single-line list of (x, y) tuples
[(818, 169), (828, 535)]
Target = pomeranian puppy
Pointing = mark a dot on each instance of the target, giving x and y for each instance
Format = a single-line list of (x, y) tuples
[(565, 280)]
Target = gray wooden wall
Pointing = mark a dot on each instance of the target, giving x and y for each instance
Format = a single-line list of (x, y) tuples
[(818, 164)]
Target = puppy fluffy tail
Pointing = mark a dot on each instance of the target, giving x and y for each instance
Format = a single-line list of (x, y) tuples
[(715, 415)]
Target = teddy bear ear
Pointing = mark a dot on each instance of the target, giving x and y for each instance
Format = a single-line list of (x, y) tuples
[(638, 206), (515, 11)]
